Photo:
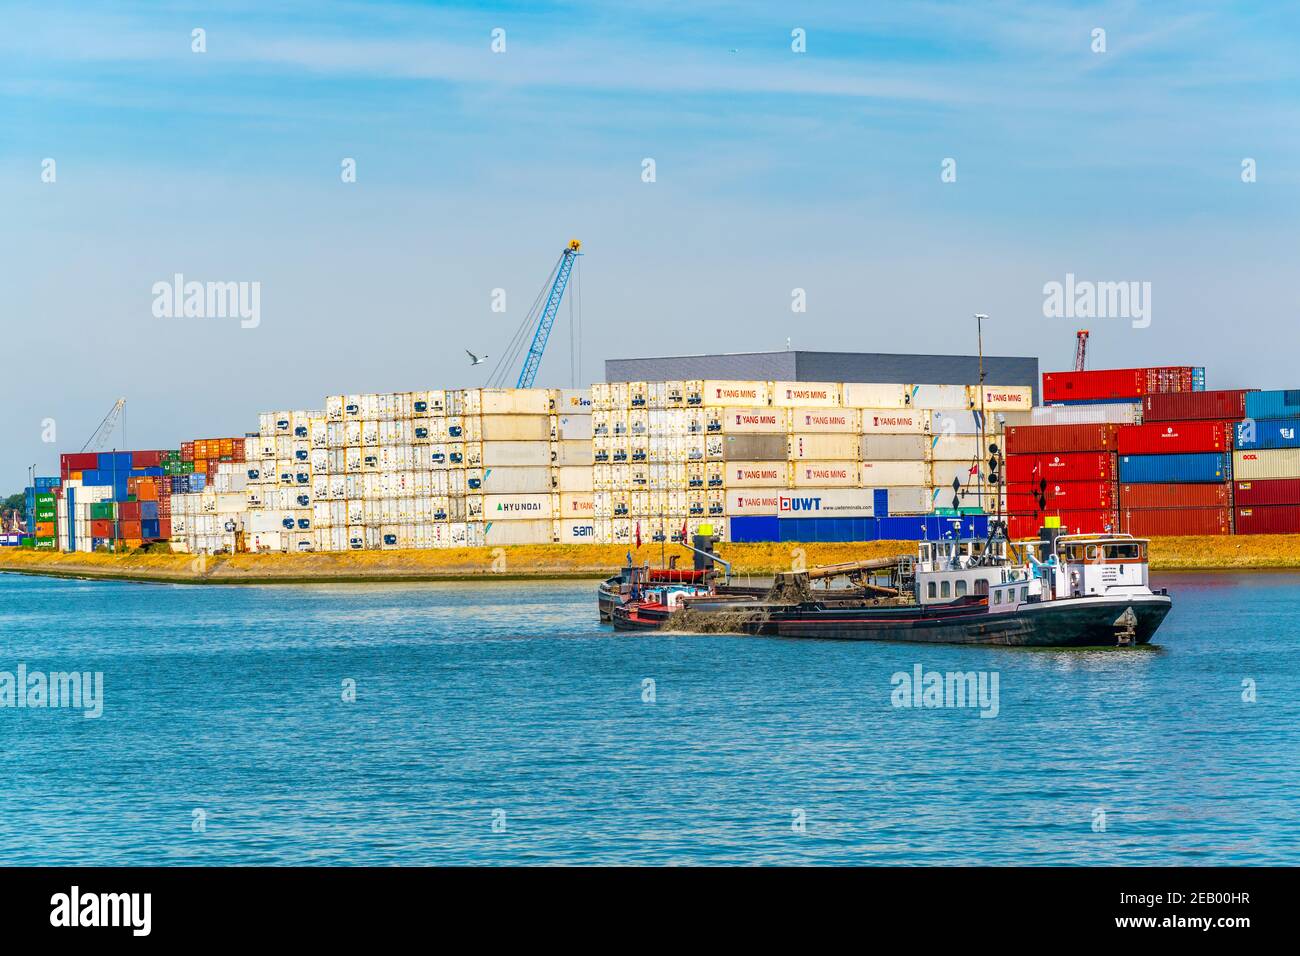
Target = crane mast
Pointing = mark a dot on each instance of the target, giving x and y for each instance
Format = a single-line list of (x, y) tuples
[(1080, 350), (96, 441), (534, 358)]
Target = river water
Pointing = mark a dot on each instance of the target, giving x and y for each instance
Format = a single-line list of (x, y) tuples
[(499, 723)]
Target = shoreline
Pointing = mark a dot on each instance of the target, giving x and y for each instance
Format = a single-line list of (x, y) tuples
[(573, 562)]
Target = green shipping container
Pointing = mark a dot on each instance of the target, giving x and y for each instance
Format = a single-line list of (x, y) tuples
[(103, 511), (45, 544), (45, 498), (27, 542), (187, 468)]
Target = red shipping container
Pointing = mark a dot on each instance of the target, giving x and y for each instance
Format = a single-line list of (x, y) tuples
[(1270, 519), (1038, 439), (128, 511), (1189, 495), (1272, 491), (1067, 495), (1068, 466), (1166, 522), (1116, 384), (101, 528), (1022, 527), (146, 459), (129, 529), (187, 451), (164, 528), (79, 461), (1175, 438), (1091, 521), (1229, 404)]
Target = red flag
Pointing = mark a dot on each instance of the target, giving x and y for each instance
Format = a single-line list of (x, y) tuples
[(683, 532), (638, 534), (974, 469)]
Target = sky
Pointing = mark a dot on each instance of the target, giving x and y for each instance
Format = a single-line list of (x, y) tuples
[(915, 164)]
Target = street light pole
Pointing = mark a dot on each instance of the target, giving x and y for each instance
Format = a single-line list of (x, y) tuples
[(980, 318)]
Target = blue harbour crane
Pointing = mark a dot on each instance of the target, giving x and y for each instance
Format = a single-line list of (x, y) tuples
[(542, 313)]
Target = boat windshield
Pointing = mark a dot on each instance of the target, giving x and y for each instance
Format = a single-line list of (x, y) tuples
[(1104, 551)]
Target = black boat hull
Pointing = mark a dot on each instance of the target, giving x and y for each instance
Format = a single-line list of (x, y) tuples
[(1079, 622)]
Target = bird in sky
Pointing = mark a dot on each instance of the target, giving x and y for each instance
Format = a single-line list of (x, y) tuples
[(474, 359)]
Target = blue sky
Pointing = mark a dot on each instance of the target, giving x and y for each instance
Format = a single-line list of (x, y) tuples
[(775, 170)]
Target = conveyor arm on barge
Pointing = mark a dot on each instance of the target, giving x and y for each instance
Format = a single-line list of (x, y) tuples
[(793, 585)]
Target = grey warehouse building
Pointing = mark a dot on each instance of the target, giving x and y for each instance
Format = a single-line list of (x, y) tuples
[(799, 366)]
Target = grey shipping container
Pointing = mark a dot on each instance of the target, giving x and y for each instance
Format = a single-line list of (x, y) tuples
[(893, 447), (754, 448)]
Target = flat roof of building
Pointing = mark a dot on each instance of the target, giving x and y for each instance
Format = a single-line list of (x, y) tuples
[(805, 365)]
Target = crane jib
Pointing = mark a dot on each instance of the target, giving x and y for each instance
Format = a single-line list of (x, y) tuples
[(534, 358)]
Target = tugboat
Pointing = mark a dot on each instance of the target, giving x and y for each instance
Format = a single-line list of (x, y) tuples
[(1063, 590)]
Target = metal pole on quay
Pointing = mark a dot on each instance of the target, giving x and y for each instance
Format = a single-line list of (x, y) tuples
[(980, 317)]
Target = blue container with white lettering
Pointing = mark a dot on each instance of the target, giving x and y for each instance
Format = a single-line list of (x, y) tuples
[(1267, 433)]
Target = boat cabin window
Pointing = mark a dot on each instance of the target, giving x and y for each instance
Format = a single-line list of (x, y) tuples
[(961, 588), (981, 587), (1024, 593), (932, 590), (946, 589), (997, 597), (1127, 551)]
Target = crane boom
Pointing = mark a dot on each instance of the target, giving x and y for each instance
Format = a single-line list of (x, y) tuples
[(1080, 350), (533, 360), (96, 441)]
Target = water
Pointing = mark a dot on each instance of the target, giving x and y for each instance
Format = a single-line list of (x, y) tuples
[(506, 702)]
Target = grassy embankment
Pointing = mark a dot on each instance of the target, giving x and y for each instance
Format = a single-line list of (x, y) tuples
[(565, 561)]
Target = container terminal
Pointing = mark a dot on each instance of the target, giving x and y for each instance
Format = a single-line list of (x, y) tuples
[(782, 446)]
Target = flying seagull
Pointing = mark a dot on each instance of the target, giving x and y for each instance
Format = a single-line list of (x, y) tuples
[(474, 359)]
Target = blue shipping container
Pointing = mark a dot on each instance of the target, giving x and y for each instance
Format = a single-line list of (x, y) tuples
[(149, 528), (148, 511), (880, 502), (1146, 469), (1268, 433), (932, 527), (754, 528), (1278, 404), (894, 528), (47, 484), (115, 461), (828, 529)]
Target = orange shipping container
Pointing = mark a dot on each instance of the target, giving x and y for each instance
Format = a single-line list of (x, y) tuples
[(146, 489), (45, 529)]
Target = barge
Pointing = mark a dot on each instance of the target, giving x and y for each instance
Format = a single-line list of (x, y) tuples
[(1081, 590)]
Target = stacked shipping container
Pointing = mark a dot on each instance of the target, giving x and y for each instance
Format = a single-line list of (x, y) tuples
[(791, 460), (1176, 467), (1066, 471), (400, 470), (115, 500), (1266, 464)]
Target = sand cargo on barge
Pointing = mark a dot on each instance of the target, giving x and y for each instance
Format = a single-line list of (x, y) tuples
[(1060, 591)]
